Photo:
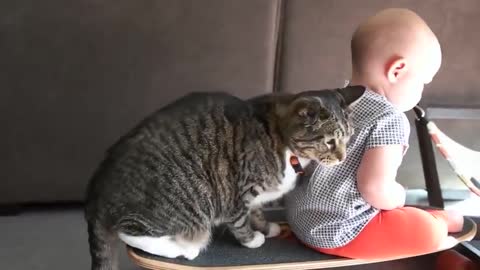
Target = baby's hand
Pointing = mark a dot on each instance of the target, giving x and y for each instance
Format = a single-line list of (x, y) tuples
[(400, 194)]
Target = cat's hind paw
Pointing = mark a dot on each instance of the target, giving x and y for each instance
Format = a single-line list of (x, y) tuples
[(257, 241), (273, 230)]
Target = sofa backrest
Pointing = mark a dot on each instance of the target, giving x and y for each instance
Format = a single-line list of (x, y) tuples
[(76, 75)]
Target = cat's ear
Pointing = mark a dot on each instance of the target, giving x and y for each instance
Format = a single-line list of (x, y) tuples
[(350, 94), (310, 110), (306, 113)]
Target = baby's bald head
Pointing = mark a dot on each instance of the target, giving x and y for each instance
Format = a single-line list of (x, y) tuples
[(394, 43), (390, 32)]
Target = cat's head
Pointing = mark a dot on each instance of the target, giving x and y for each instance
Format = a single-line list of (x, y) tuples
[(316, 124)]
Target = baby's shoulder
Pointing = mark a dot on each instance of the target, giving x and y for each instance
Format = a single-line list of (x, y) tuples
[(374, 109)]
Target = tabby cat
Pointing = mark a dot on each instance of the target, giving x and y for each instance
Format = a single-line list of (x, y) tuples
[(209, 159)]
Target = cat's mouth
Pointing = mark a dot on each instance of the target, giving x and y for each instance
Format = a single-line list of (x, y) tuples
[(325, 159), (330, 163)]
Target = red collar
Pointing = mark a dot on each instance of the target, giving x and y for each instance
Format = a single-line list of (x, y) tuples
[(297, 167)]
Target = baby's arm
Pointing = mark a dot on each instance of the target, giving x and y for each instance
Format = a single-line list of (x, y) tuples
[(376, 177), (384, 151)]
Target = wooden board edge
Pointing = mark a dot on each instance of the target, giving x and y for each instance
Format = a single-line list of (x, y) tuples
[(159, 265), (470, 234)]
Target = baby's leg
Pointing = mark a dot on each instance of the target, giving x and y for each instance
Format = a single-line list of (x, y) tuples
[(403, 231)]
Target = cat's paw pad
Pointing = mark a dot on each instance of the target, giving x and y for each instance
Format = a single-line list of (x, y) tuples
[(273, 230), (257, 241)]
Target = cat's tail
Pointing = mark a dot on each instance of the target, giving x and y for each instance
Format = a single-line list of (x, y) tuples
[(103, 246)]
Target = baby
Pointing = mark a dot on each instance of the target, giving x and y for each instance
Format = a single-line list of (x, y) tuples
[(356, 209)]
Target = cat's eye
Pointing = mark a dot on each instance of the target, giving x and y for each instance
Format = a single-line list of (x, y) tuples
[(324, 115)]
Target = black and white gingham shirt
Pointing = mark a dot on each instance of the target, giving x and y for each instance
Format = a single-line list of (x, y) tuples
[(327, 210)]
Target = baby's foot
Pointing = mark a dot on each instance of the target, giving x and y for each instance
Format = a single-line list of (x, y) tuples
[(455, 222)]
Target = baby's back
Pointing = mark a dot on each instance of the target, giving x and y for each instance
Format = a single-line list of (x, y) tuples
[(326, 210)]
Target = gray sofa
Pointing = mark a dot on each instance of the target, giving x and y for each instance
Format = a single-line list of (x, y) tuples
[(75, 75)]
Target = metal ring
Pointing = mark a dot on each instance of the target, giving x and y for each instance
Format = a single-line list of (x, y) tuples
[(419, 109)]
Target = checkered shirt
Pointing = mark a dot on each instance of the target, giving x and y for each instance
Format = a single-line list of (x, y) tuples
[(326, 209)]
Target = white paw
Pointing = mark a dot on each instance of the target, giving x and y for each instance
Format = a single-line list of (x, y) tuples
[(273, 230), (257, 241), (191, 253)]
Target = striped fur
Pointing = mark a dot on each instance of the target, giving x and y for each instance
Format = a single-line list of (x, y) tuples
[(202, 160)]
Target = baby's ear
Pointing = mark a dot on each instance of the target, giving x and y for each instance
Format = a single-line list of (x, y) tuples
[(397, 69), (350, 94)]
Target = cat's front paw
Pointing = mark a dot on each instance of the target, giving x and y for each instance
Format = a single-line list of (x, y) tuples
[(191, 253), (273, 230), (257, 241)]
